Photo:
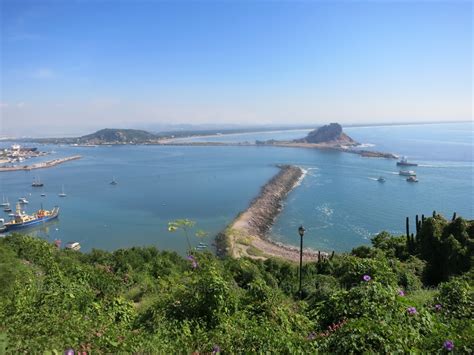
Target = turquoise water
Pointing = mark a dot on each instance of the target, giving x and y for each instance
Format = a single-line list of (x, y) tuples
[(339, 202)]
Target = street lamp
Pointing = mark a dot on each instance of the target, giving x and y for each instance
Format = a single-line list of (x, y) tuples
[(301, 231)]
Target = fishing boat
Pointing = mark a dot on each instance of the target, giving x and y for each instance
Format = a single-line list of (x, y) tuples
[(23, 201), (407, 173), (381, 179), (62, 193), (404, 162), (73, 246), (412, 179), (37, 183), (23, 220)]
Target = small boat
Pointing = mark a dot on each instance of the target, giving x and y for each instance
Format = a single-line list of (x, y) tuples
[(113, 182), (62, 193), (412, 179), (404, 162), (5, 202), (37, 183), (7, 208), (23, 200), (73, 246), (381, 179), (43, 194), (407, 173), (23, 220), (2, 226)]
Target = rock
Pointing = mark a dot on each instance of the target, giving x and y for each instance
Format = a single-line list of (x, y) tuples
[(331, 133)]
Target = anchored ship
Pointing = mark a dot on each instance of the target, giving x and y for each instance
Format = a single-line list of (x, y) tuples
[(404, 162), (23, 220)]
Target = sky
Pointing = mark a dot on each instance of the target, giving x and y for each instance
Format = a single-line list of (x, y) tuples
[(71, 67)]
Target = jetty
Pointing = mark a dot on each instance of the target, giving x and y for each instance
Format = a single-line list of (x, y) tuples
[(247, 235), (42, 165)]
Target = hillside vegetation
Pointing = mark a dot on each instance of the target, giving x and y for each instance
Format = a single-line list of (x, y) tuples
[(110, 135), (399, 295)]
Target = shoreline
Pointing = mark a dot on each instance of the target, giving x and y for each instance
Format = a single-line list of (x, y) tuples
[(247, 235), (42, 165)]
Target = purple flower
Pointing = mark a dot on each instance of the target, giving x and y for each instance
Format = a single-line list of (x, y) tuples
[(193, 261), (216, 349), (69, 352), (448, 345), (366, 278), (411, 310), (311, 336), (401, 293), (437, 307)]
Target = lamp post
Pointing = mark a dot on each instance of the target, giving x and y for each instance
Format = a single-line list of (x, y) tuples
[(301, 231)]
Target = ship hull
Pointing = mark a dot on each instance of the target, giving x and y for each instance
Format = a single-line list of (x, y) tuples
[(30, 223), (406, 164)]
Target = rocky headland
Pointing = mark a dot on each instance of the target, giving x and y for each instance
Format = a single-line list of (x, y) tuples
[(330, 137)]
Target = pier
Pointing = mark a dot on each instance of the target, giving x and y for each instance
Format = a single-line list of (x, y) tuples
[(42, 165)]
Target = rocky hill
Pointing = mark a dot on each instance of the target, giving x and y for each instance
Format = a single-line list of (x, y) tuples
[(331, 133)]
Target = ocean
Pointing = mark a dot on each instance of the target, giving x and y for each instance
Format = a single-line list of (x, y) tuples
[(339, 202)]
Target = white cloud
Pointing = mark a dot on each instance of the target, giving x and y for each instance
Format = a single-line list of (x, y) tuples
[(4, 104), (20, 104)]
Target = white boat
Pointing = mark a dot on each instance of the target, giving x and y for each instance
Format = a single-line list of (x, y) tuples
[(381, 179), (113, 182), (73, 246), (412, 179), (43, 194), (23, 200), (407, 173), (62, 193)]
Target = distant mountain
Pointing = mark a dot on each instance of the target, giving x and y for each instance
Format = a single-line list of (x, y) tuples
[(331, 133), (118, 136)]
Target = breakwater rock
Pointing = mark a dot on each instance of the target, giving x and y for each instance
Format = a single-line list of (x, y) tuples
[(247, 235)]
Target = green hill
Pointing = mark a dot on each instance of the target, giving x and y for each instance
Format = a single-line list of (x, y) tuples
[(112, 135)]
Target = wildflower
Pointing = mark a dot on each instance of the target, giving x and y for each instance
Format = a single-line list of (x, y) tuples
[(437, 307), (366, 278), (69, 352), (216, 349), (411, 310), (311, 336), (448, 345), (193, 261), (401, 293)]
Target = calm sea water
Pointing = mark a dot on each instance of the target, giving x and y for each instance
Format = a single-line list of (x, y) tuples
[(339, 202)]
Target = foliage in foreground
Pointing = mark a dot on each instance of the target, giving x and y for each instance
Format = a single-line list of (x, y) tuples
[(146, 300)]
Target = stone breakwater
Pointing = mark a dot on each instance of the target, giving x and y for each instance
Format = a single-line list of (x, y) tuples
[(42, 165), (247, 235)]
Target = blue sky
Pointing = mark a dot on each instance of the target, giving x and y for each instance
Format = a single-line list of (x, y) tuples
[(81, 65)]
